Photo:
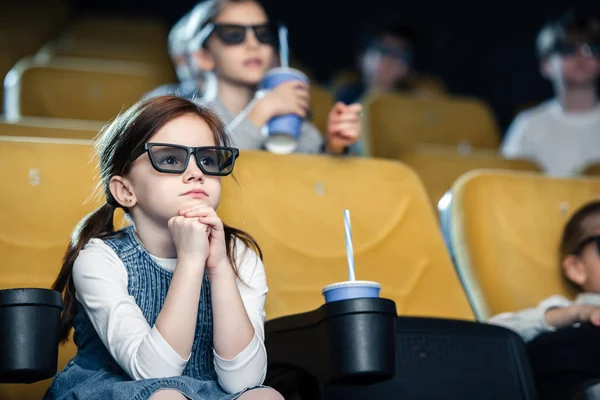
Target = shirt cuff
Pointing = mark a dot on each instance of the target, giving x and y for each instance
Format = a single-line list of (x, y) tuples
[(170, 355), (242, 358)]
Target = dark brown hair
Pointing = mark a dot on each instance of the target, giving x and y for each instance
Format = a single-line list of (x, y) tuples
[(114, 146), (571, 26), (579, 227)]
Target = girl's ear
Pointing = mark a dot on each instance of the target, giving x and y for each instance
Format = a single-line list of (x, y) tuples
[(574, 270), (122, 191), (203, 60)]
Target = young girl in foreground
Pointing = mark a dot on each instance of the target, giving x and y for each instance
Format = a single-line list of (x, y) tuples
[(580, 262), (171, 307)]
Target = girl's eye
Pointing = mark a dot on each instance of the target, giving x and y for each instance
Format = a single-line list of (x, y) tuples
[(169, 160)]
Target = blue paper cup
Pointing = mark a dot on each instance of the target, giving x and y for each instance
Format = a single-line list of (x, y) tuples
[(351, 290), (283, 130)]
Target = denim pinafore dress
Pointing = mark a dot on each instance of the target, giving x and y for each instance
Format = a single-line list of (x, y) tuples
[(94, 374)]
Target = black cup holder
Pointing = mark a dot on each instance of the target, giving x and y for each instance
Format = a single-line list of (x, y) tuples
[(29, 331), (343, 342)]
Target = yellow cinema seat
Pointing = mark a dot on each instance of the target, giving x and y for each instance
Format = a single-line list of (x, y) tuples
[(439, 166), (293, 206), (76, 88), (47, 188), (396, 123), (504, 232)]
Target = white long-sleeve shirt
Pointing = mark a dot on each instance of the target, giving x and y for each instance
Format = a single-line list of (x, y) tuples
[(531, 322), (100, 280), (562, 143)]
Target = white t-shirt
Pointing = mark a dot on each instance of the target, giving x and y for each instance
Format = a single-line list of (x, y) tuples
[(531, 322), (100, 280), (559, 142)]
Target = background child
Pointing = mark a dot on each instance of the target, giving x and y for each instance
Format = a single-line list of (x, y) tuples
[(580, 263), (171, 307), (385, 60), (562, 135), (237, 46)]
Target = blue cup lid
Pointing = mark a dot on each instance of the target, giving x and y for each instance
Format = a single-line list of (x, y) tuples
[(349, 284)]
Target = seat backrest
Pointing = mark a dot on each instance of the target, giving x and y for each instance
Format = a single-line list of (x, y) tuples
[(50, 128), (293, 205), (48, 188), (77, 88), (439, 166), (117, 29), (157, 56), (505, 230), (25, 26), (395, 123)]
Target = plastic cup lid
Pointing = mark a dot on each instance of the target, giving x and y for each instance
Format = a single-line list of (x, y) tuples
[(349, 284), (278, 70)]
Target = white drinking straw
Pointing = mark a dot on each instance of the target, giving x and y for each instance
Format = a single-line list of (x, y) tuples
[(349, 250), (284, 56)]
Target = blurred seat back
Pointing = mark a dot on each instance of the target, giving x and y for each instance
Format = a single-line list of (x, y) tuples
[(155, 55), (50, 128), (76, 88), (117, 29), (293, 206), (395, 123), (504, 231), (50, 182), (25, 26), (440, 166)]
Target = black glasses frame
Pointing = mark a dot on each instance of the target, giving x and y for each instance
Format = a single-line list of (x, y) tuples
[(567, 48), (219, 30), (147, 148)]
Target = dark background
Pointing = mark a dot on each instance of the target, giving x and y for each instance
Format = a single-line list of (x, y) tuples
[(482, 49)]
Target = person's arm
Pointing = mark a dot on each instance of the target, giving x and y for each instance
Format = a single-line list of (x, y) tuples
[(177, 319), (573, 314), (238, 315), (100, 280), (244, 133), (531, 322)]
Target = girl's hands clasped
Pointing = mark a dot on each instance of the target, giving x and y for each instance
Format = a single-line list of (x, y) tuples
[(206, 217), (191, 240)]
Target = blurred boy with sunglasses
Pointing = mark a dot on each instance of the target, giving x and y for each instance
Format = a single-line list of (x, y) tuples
[(235, 42), (562, 135)]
